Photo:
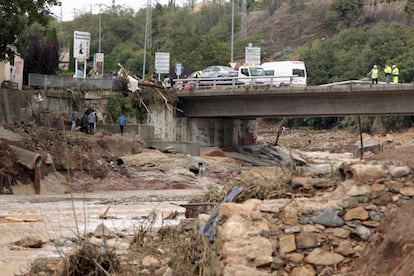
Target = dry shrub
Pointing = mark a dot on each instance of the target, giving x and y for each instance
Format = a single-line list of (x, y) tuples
[(88, 260), (187, 250)]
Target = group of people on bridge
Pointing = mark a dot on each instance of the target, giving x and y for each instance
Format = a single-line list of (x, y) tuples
[(391, 73)]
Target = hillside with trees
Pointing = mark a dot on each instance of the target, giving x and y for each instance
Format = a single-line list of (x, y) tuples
[(337, 39)]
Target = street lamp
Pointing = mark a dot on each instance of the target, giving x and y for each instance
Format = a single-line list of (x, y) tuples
[(99, 58), (100, 23)]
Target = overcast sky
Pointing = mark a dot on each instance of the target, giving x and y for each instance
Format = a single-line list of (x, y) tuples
[(72, 7)]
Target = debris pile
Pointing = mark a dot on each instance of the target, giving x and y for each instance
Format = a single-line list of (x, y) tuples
[(322, 235)]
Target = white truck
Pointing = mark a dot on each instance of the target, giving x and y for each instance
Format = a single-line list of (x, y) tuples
[(252, 75), (286, 73)]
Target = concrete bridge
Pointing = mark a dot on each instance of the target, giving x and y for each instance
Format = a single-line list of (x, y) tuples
[(314, 101), (224, 117)]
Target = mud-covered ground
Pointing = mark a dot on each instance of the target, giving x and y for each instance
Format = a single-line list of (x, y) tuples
[(78, 149)]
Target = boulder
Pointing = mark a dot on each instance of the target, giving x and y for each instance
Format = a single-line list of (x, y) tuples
[(322, 257), (328, 217), (356, 213), (287, 244), (306, 240), (306, 270)]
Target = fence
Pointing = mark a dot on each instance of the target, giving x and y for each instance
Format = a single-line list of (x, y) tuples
[(50, 81)]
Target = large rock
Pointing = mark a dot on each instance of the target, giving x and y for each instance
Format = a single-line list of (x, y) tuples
[(363, 173), (256, 250), (339, 232), (121, 145), (101, 231), (399, 171), (328, 217), (363, 232), (306, 270), (345, 248), (306, 240), (407, 191), (287, 244), (321, 257), (289, 215), (356, 213), (240, 225), (349, 202)]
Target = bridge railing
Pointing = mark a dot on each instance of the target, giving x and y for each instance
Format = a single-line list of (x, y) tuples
[(60, 82), (218, 83)]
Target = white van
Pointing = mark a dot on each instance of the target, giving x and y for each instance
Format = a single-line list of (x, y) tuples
[(252, 75), (286, 73)]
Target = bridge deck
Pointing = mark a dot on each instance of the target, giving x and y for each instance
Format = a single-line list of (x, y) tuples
[(342, 100)]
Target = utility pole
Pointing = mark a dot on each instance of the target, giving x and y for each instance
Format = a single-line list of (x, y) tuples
[(232, 30), (244, 20), (147, 39), (100, 24)]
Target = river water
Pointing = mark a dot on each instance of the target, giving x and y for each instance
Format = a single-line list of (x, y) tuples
[(64, 217)]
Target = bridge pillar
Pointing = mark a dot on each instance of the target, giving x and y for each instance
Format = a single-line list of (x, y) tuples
[(217, 132), (208, 132)]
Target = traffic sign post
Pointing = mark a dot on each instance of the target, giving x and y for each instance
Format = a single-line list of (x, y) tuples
[(178, 69), (162, 63), (252, 55), (233, 64)]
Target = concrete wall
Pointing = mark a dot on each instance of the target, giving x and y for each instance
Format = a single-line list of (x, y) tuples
[(17, 106), (163, 121), (163, 125), (145, 132)]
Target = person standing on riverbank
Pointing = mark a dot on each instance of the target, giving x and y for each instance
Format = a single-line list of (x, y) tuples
[(73, 118), (122, 123), (91, 123)]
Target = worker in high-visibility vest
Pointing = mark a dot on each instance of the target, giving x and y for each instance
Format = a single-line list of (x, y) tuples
[(374, 74), (387, 71), (395, 74)]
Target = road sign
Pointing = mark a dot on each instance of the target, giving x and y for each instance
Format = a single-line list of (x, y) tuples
[(81, 45), (252, 55), (233, 64), (162, 63), (178, 68)]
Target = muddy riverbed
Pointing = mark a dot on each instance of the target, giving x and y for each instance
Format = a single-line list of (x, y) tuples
[(59, 219)]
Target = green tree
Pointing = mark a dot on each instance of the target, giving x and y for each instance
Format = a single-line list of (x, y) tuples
[(386, 42), (409, 7), (17, 15), (344, 13), (272, 5), (42, 56), (320, 61)]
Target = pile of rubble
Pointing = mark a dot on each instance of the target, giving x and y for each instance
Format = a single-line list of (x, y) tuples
[(322, 235)]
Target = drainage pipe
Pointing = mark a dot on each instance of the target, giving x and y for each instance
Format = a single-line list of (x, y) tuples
[(27, 158)]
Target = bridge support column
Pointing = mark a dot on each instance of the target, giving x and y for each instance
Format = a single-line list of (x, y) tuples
[(216, 132)]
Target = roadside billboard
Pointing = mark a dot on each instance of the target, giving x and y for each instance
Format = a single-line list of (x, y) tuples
[(162, 63), (99, 64), (252, 55), (81, 45)]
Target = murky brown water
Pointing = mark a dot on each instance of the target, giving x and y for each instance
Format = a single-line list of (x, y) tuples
[(63, 217)]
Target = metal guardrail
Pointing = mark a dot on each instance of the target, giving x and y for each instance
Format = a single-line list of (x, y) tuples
[(50, 81), (197, 83)]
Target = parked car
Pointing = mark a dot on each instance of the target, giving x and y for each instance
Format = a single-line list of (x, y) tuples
[(218, 71)]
